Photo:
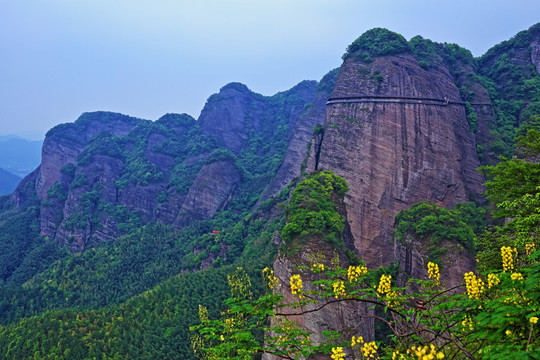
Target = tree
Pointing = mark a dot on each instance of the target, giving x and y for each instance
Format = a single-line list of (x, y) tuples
[(491, 315)]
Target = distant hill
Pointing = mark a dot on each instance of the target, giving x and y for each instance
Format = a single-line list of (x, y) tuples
[(8, 182), (101, 251), (19, 156)]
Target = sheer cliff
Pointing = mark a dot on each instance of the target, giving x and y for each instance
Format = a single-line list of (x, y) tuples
[(398, 134), (107, 174), (401, 121)]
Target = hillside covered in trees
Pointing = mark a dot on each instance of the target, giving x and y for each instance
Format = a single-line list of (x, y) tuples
[(405, 155)]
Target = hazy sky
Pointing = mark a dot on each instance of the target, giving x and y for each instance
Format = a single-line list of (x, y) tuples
[(60, 58)]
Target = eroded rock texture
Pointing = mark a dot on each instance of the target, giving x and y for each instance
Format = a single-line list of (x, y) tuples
[(396, 153), (107, 173), (347, 318)]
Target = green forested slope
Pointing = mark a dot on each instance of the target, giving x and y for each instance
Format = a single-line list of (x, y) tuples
[(137, 296)]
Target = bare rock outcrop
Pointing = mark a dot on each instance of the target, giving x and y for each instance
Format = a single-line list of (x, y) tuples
[(405, 140), (455, 262), (107, 173), (348, 318)]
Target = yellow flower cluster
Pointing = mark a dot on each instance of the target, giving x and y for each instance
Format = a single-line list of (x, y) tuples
[(533, 320), (384, 284), (356, 340), (393, 295), (433, 271), (355, 272), (507, 254), (271, 280), (296, 285), (467, 323), (229, 325), (203, 313), (475, 286), (337, 353), (397, 356), (318, 267), (516, 276), (369, 350), (529, 249), (339, 288), (493, 280), (426, 352)]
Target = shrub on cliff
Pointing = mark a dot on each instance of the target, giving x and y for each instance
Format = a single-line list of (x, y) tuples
[(434, 223), (312, 209), (377, 42)]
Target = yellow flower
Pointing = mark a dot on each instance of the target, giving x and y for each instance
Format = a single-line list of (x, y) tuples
[(339, 288), (354, 272), (357, 340), (426, 352), (508, 255), (337, 353), (467, 323), (516, 276), (384, 284), (318, 267), (493, 280), (433, 271), (475, 286), (393, 295), (529, 249), (533, 320), (271, 280), (296, 285), (369, 350), (508, 332), (222, 338)]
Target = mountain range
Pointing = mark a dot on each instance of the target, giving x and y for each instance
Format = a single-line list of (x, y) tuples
[(128, 224)]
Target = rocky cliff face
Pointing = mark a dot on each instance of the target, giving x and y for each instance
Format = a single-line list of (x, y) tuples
[(396, 145), (300, 138), (412, 258), (65, 142), (108, 173), (347, 318), (301, 252)]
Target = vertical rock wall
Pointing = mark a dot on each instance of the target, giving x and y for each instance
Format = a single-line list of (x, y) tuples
[(399, 144)]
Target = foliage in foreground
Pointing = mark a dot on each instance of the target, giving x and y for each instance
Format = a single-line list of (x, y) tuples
[(496, 318), (493, 314)]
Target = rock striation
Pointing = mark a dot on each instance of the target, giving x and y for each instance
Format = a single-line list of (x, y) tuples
[(403, 140), (107, 173)]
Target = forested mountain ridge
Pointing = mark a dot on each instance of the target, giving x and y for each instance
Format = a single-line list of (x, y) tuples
[(138, 202), (108, 173)]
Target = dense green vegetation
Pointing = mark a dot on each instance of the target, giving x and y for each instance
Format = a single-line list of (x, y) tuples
[(514, 188), (114, 272), (23, 253), (136, 297), (312, 210), (377, 42), (153, 325), (95, 288), (433, 224), (513, 87)]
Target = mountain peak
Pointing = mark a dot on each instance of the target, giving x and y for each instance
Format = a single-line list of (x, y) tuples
[(377, 42), (235, 86)]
